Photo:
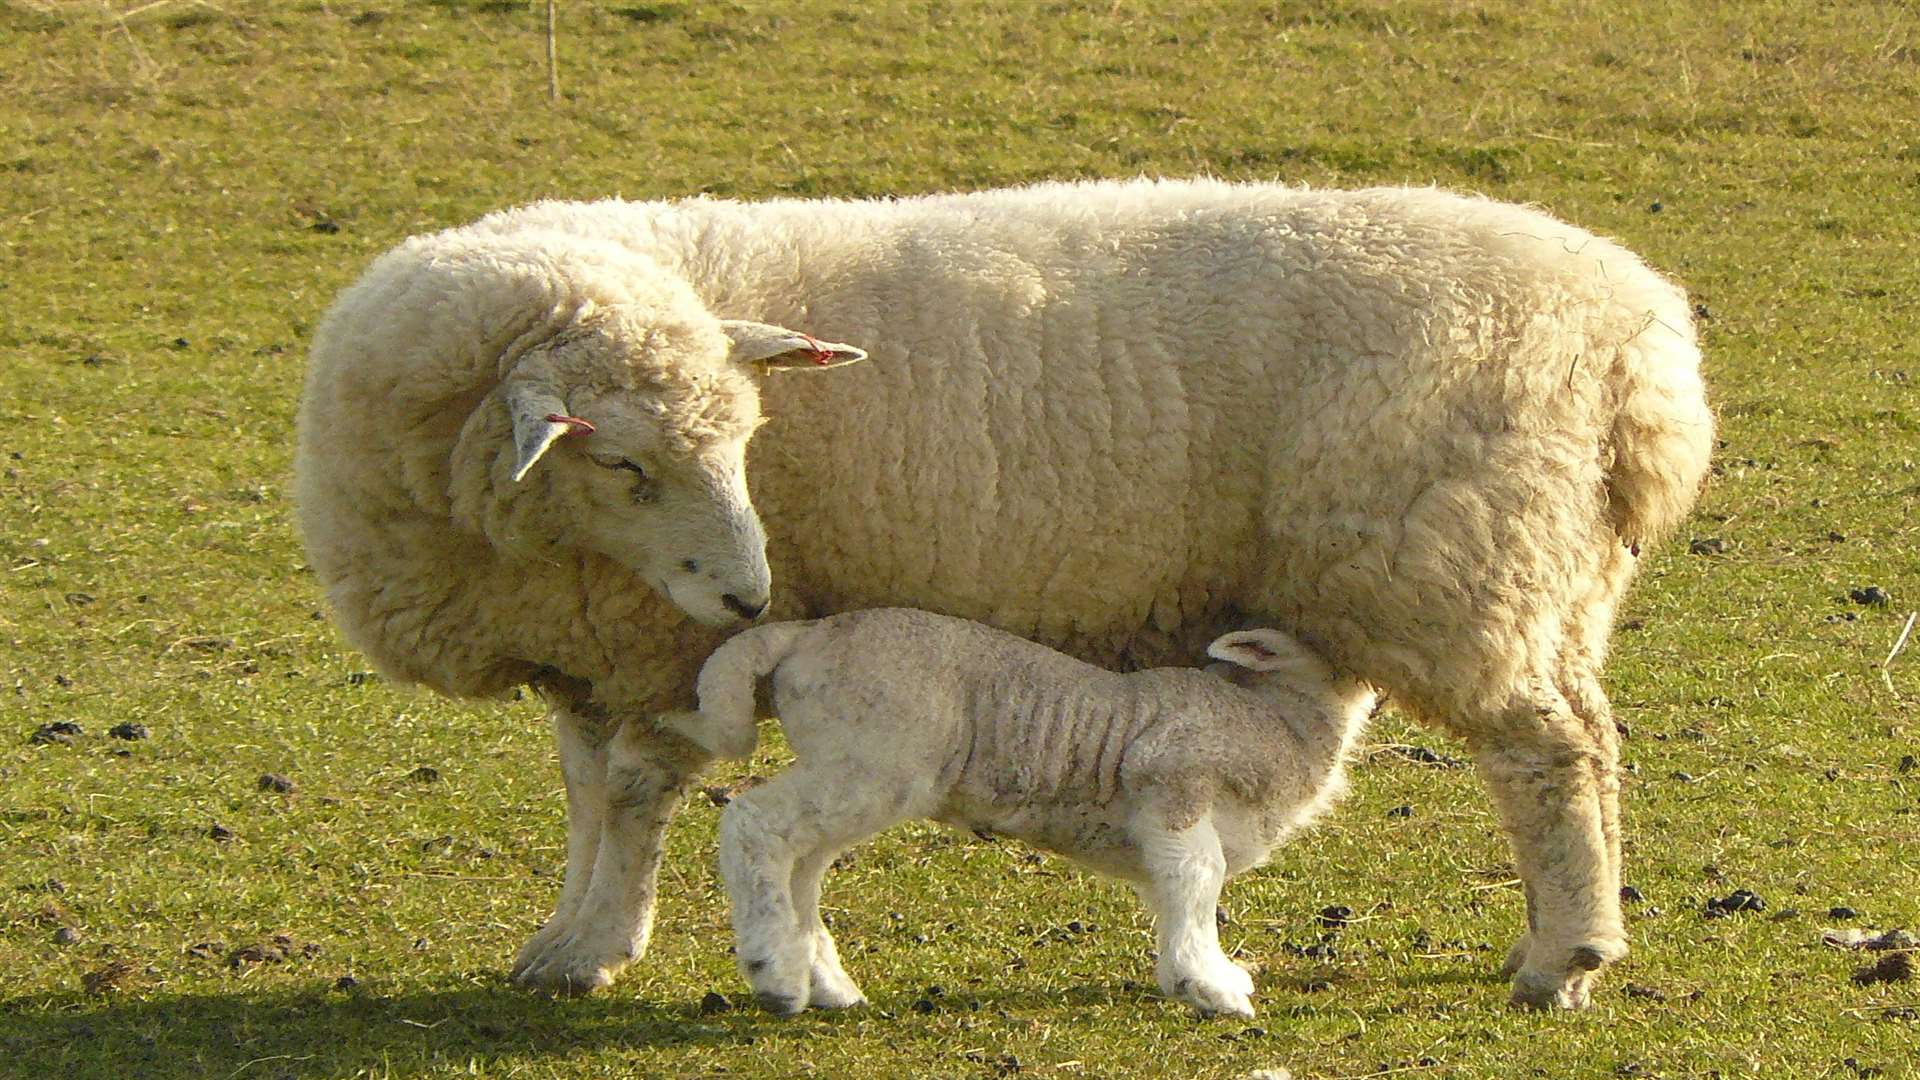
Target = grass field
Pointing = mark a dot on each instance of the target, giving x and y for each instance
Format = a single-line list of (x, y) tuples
[(182, 190)]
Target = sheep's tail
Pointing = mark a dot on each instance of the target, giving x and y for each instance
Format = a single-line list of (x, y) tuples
[(1663, 433), (724, 726)]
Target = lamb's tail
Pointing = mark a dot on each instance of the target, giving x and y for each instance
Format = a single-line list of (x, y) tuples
[(724, 726), (1663, 433)]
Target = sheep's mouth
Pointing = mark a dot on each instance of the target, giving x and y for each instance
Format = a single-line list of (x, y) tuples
[(716, 613)]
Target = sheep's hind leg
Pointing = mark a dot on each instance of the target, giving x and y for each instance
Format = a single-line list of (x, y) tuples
[(1186, 870), (1549, 780), (583, 764), (1589, 703), (647, 771)]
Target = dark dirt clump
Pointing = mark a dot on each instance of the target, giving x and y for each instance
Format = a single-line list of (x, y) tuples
[(110, 979), (62, 732), (1736, 901), (277, 949), (1893, 967), (722, 794)]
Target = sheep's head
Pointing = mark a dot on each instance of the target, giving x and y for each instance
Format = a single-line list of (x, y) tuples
[(629, 438)]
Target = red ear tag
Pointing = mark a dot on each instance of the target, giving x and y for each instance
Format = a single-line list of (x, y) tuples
[(580, 427), (819, 355)]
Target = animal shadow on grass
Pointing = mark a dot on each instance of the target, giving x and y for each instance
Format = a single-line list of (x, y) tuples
[(317, 1032)]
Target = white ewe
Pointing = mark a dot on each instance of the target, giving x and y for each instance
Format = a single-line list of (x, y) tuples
[(1428, 433), (1171, 778)]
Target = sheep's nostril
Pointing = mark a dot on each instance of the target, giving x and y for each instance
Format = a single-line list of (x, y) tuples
[(742, 608)]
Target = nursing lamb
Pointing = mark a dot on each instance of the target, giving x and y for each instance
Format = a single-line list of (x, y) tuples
[(1172, 778), (1430, 434)]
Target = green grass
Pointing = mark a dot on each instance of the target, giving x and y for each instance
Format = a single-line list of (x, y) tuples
[(182, 192)]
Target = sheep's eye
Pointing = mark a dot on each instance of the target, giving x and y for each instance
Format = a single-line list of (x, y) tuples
[(643, 489)]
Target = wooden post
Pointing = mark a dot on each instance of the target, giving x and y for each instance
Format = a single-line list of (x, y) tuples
[(553, 57)]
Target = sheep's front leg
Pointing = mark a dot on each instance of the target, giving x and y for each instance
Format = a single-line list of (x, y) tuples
[(646, 774), (1186, 870), (583, 765)]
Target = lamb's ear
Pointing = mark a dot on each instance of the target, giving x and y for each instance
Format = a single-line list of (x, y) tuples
[(775, 348), (1267, 650), (539, 418)]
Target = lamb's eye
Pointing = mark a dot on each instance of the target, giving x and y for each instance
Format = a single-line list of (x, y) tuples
[(632, 467)]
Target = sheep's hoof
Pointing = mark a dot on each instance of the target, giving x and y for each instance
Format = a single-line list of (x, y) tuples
[(564, 983), (566, 971), (1565, 984), (538, 946), (1546, 990)]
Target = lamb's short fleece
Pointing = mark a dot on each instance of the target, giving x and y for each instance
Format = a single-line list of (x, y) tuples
[(1171, 778)]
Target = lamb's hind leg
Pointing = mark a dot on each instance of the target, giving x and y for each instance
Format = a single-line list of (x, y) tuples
[(583, 765), (1549, 777), (1186, 869), (646, 773)]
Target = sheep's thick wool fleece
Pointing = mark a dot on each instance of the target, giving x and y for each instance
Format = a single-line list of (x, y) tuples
[(1420, 429)]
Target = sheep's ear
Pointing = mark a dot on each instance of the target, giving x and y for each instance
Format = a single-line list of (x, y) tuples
[(539, 418), (775, 348), (1266, 650)]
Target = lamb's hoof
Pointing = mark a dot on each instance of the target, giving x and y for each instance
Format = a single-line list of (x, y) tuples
[(566, 968), (1211, 999), (780, 982), (1516, 957), (781, 1004), (833, 990)]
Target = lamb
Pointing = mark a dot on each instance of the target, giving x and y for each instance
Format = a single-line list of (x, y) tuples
[(1172, 778), (1430, 434)]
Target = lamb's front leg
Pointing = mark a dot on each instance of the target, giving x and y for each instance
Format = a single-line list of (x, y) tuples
[(828, 984), (759, 852), (582, 742), (776, 841), (647, 771), (1185, 872)]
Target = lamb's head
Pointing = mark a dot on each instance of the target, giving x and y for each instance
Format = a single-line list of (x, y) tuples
[(629, 438), (1265, 659)]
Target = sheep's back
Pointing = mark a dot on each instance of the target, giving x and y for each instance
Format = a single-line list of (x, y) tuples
[(1117, 417)]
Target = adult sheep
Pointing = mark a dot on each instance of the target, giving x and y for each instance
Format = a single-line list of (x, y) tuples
[(1427, 433)]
